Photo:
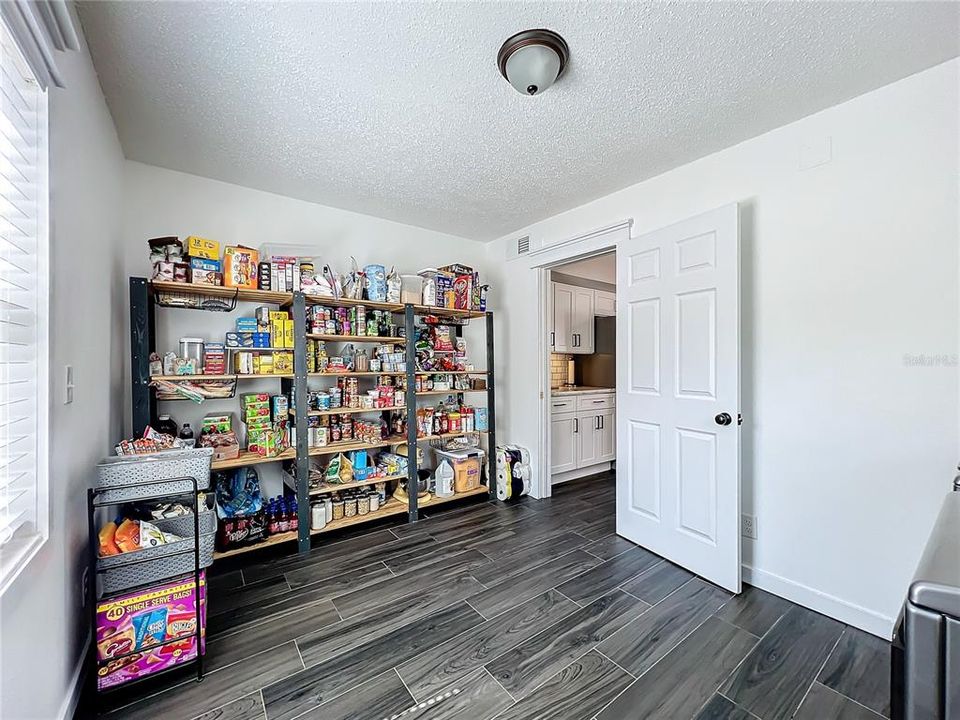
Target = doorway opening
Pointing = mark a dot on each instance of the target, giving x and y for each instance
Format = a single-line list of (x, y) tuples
[(581, 361)]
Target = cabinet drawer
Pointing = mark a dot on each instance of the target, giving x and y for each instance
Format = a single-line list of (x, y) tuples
[(595, 402), (562, 405)]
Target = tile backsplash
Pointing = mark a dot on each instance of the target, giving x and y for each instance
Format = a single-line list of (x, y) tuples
[(558, 369)]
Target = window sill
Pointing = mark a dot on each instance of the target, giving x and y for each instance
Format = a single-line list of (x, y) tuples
[(15, 556)]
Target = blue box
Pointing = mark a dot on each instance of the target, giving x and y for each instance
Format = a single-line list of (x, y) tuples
[(261, 340), (204, 265), (480, 420), (246, 324)]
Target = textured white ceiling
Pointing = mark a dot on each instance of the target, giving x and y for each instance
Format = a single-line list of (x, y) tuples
[(397, 109)]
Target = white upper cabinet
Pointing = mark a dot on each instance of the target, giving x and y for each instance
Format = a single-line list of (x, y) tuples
[(573, 311), (561, 337), (605, 303)]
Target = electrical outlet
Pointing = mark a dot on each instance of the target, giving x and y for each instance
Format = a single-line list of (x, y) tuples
[(748, 526)]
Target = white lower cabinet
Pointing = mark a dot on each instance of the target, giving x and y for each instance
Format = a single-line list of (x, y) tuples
[(585, 437), (563, 448)]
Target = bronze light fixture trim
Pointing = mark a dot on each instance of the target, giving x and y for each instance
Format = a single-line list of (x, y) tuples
[(533, 60)]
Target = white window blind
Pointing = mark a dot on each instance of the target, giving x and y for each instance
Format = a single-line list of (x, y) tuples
[(23, 310)]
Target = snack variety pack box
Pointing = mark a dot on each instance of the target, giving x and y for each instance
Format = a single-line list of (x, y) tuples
[(132, 627), (240, 267)]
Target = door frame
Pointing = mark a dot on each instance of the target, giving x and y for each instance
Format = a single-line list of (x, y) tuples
[(596, 242)]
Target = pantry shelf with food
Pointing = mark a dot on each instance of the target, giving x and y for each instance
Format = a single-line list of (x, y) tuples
[(358, 372), (351, 411)]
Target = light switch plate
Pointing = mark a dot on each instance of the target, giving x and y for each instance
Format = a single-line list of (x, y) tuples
[(68, 384)]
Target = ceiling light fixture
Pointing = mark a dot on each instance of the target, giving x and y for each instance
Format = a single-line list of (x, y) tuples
[(532, 60)]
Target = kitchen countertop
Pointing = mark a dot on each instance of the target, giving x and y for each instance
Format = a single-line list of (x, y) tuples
[(582, 390)]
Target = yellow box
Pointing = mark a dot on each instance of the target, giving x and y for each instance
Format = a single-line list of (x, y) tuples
[(266, 365), (199, 247), (276, 334), (288, 333), (278, 315), (283, 363)]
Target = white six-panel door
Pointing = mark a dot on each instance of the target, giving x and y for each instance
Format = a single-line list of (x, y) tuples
[(678, 381)]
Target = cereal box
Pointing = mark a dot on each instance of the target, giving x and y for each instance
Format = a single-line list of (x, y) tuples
[(143, 632)]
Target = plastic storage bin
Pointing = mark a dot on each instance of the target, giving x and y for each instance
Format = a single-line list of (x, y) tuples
[(467, 465), (133, 569)]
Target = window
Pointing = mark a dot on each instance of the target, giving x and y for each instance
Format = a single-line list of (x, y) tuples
[(24, 296)]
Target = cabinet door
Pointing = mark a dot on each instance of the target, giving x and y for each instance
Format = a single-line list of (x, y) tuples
[(582, 321), (607, 435), (563, 443), (605, 304), (588, 439), (562, 318)]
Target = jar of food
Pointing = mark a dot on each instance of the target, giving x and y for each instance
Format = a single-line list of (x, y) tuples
[(338, 507), (318, 516), (328, 508), (374, 500), (381, 491), (363, 504), (350, 506)]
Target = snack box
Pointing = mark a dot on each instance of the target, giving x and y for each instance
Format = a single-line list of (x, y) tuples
[(277, 334), (283, 363), (217, 423), (445, 289), (199, 263), (261, 339), (278, 316), (240, 267), (288, 333), (205, 277), (457, 269), (463, 292), (246, 324), (252, 398), (146, 631), (198, 247), (281, 407)]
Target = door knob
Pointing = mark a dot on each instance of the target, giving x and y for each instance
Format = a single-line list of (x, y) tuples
[(723, 419)]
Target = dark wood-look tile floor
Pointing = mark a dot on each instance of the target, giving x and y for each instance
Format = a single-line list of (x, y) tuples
[(534, 611)]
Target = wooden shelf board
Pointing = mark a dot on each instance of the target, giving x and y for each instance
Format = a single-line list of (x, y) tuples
[(327, 489), (450, 435), (173, 378), (270, 541), (425, 393), (435, 500), (349, 411), (346, 302), (391, 507), (334, 448), (447, 312), (392, 374), (251, 458), (357, 338), (259, 349), (243, 294)]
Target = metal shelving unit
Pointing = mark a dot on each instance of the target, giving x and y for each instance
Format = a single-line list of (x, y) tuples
[(147, 296)]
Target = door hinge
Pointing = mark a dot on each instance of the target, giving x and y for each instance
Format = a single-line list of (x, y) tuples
[(739, 419)]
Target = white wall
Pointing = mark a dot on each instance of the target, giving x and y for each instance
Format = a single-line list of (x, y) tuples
[(163, 202), (846, 268), (43, 624)]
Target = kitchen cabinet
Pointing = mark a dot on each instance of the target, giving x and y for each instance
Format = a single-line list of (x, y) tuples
[(563, 448), (604, 303), (607, 436), (582, 431), (573, 312), (561, 337)]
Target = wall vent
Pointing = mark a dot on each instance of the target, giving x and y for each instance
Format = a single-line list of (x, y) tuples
[(523, 245), (519, 247)]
